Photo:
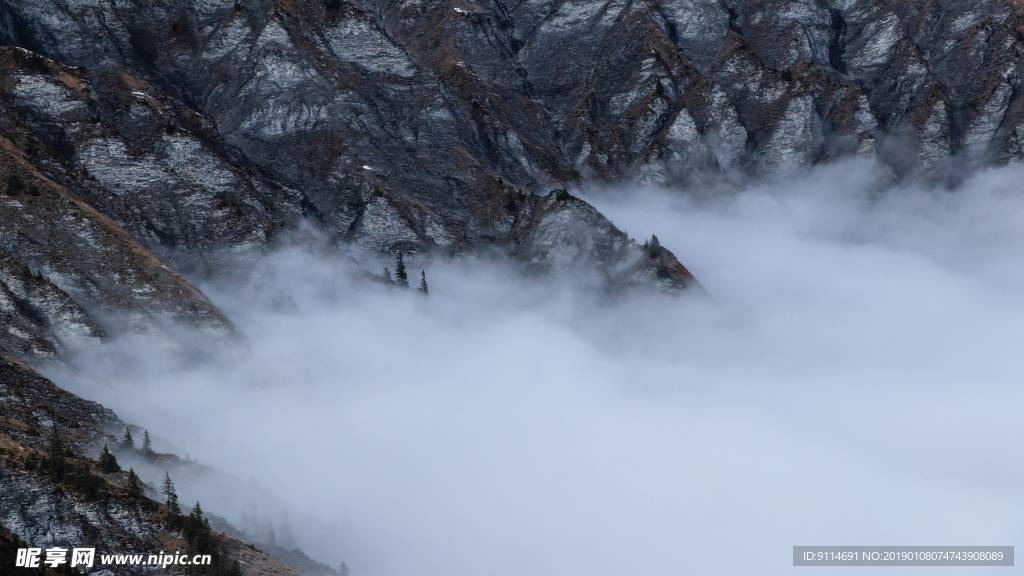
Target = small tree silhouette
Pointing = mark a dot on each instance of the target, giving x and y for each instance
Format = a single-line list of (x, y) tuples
[(147, 445), (108, 464), (128, 441), (402, 278), (653, 247), (83, 481), (172, 519), (14, 185), (423, 282), (172, 495), (54, 463), (133, 487)]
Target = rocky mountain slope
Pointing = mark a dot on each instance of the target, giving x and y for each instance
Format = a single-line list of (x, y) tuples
[(45, 512), (140, 139), (145, 142)]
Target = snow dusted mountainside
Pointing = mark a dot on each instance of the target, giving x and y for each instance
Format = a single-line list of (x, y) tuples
[(145, 142), (140, 138)]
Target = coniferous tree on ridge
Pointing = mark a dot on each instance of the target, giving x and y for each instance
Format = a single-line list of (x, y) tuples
[(54, 463), (108, 463), (653, 247), (171, 493), (423, 282), (199, 536), (387, 276), (401, 277), (173, 520), (128, 441), (83, 480), (194, 524), (147, 445), (133, 487)]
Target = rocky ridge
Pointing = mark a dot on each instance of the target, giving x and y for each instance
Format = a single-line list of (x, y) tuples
[(45, 514), (144, 142), (157, 138)]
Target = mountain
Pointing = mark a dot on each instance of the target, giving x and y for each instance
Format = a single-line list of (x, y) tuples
[(147, 144), (42, 510), (142, 139)]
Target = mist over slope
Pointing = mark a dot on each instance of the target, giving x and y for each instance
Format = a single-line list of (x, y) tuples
[(856, 382), (154, 137), (852, 380)]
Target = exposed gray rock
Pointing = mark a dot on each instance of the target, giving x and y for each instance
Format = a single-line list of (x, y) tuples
[(39, 318), (31, 406), (207, 128), (45, 516)]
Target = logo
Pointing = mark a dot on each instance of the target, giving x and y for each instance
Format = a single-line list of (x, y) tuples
[(30, 557), (85, 557)]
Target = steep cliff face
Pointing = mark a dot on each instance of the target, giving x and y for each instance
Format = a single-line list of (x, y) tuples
[(44, 512), (39, 318), (159, 137), (82, 264), (31, 405), (44, 515), (434, 95), (140, 141)]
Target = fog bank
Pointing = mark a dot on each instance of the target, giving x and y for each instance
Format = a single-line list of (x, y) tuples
[(857, 382)]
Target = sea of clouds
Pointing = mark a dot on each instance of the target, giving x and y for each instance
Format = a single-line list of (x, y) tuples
[(857, 379)]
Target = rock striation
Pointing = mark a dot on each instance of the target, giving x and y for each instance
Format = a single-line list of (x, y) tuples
[(45, 513), (139, 140)]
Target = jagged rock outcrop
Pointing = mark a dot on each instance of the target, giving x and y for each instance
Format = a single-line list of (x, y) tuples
[(432, 94), (40, 319), (43, 515), (86, 269), (140, 141), (168, 134), (31, 405)]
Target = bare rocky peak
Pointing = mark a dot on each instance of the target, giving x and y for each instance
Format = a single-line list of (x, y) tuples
[(157, 135)]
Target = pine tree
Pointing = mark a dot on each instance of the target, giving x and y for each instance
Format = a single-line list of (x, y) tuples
[(108, 464), (654, 249), (128, 441), (83, 481), (172, 519), (343, 570), (172, 495), (193, 524), (387, 276), (402, 279), (195, 529), (147, 446), (423, 282), (133, 487), (54, 463), (197, 533)]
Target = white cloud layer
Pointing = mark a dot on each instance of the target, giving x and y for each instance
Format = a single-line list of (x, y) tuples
[(859, 382)]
